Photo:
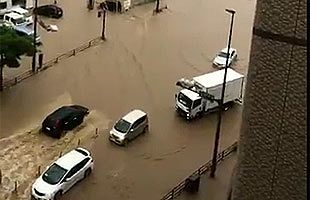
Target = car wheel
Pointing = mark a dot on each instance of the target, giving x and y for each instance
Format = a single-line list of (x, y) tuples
[(58, 195), (125, 143), (87, 173), (146, 129)]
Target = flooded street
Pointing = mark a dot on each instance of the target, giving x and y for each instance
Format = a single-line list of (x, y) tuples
[(136, 67)]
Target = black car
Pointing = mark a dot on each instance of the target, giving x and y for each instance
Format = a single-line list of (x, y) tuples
[(52, 11), (64, 118)]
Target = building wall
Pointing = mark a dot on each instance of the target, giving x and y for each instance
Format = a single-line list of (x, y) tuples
[(272, 158)]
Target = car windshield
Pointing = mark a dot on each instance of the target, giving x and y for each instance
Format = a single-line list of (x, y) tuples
[(187, 102), (222, 54), (54, 174), (122, 126)]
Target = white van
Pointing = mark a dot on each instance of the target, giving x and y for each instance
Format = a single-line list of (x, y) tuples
[(27, 15)]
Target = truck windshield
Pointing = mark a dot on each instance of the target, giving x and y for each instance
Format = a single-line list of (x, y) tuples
[(18, 21), (187, 102)]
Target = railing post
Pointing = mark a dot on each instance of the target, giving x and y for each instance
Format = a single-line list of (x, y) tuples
[(15, 187), (0, 177), (73, 52), (39, 170)]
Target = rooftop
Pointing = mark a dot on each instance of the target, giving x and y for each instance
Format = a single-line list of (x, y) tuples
[(190, 94), (134, 115), (70, 159), (215, 78), (19, 10), (14, 15)]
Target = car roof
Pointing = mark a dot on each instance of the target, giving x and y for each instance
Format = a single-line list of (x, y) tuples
[(62, 112), (70, 159), (133, 115), (190, 94), (14, 15), (230, 50), (19, 10)]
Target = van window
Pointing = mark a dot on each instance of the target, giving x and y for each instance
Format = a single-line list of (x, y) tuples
[(197, 103), (3, 5)]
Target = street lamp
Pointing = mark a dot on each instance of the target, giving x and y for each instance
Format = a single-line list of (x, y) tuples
[(35, 36), (217, 133), (104, 12), (157, 6)]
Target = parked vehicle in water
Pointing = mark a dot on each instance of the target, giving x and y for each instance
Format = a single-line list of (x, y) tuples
[(27, 15), (61, 175), (63, 119), (14, 19), (201, 94), (129, 127), (221, 57), (52, 11), (27, 31)]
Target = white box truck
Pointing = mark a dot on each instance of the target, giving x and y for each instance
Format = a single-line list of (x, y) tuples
[(201, 94)]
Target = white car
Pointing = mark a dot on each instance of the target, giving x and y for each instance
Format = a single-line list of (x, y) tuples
[(62, 175), (27, 15), (129, 127), (220, 59)]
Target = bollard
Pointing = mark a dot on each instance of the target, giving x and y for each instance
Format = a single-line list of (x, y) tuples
[(15, 80), (96, 131), (39, 170), (79, 142), (56, 60), (73, 52), (0, 176), (60, 154), (89, 44), (40, 61), (15, 187)]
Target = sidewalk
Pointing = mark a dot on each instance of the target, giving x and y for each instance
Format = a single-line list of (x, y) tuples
[(214, 189)]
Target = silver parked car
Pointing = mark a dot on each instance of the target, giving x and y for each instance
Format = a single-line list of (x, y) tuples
[(129, 127)]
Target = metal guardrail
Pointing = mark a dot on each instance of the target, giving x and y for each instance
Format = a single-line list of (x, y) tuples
[(176, 191), (13, 81)]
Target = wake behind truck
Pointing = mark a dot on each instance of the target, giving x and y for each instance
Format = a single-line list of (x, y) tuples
[(202, 94)]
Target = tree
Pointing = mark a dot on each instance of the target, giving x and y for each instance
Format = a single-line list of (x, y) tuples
[(12, 47)]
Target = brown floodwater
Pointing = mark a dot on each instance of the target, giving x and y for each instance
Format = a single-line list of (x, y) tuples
[(136, 67)]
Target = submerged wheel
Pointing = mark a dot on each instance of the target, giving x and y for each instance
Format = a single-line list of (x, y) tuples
[(125, 143), (87, 173), (58, 195)]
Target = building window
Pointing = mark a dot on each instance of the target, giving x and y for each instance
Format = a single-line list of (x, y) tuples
[(3, 5)]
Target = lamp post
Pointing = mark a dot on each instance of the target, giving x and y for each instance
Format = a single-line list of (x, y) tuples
[(104, 12), (218, 128), (35, 36), (157, 6)]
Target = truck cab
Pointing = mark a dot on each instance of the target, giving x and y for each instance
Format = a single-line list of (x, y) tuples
[(14, 19), (189, 104)]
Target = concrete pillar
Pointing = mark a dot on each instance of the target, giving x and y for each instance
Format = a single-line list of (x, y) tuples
[(272, 158)]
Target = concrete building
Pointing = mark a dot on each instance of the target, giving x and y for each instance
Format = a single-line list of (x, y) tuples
[(272, 162)]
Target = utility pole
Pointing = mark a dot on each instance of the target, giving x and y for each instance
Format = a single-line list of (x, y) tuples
[(104, 12), (157, 6), (35, 36), (218, 129)]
